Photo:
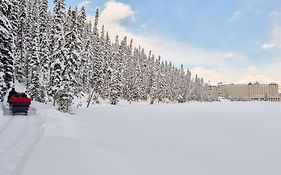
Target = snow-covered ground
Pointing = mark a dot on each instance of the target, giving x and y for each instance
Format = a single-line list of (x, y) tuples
[(228, 138)]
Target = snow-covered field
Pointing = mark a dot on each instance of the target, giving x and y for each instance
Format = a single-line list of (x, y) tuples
[(176, 139)]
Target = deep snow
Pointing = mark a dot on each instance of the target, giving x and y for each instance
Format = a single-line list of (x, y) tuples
[(140, 139)]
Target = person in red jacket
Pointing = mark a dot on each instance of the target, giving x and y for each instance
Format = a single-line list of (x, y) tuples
[(12, 93)]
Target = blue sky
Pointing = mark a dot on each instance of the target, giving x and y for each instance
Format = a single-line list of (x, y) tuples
[(245, 32)]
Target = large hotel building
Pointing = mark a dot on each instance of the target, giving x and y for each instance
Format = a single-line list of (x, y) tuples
[(256, 91)]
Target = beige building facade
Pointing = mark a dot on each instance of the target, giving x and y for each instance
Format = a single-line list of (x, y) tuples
[(256, 91)]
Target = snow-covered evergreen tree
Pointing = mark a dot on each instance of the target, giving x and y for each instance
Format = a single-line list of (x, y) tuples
[(143, 74), (181, 85), (6, 48), (43, 38), (97, 61), (35, 89), (130, 86), (59, 55), (157, 85), (187, 88), (83, 32), (135, 77), (20, 50), (28, 44), (107, 66), (73, 47), (14, 20), (115, 87), (151, 72), (65, 94), (104, 54), (115, 84), (196, 89)]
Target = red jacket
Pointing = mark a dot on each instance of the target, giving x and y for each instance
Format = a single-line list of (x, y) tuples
[(20, 100)]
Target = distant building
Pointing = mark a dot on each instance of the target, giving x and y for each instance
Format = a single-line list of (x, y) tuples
[(213, 91), (256, 91)]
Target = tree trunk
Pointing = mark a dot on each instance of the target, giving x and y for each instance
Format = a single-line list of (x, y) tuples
[(90, 98)]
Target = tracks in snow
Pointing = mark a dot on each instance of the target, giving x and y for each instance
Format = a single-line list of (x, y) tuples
[(3, 128), (17, 137)]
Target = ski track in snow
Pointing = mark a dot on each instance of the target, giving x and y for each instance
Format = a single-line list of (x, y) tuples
[(17, 135), (6, 124)]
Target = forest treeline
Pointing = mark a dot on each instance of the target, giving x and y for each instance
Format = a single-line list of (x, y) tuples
[(59, 56)]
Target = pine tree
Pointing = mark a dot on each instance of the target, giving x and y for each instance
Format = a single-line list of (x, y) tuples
[(66, 94), (87, 62), (28, 47), (115, 84), (46, 63), (97, 77), (6, 48), (107, 67), (73, 46), (196, 89), (43, 50), (115, 87), (151, 72), (59, 55), (181, 86), (143, 75), (20, 51), (188, 83), (104, 54), (155, 93), (135, 76), (14, 20), (83, 31), (129, 75), (35, 88), (121, 62)]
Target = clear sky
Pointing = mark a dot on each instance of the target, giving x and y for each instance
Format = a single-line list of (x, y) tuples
[(222, 40)]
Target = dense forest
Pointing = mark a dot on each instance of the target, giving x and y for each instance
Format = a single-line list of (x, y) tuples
[(59, 56)]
